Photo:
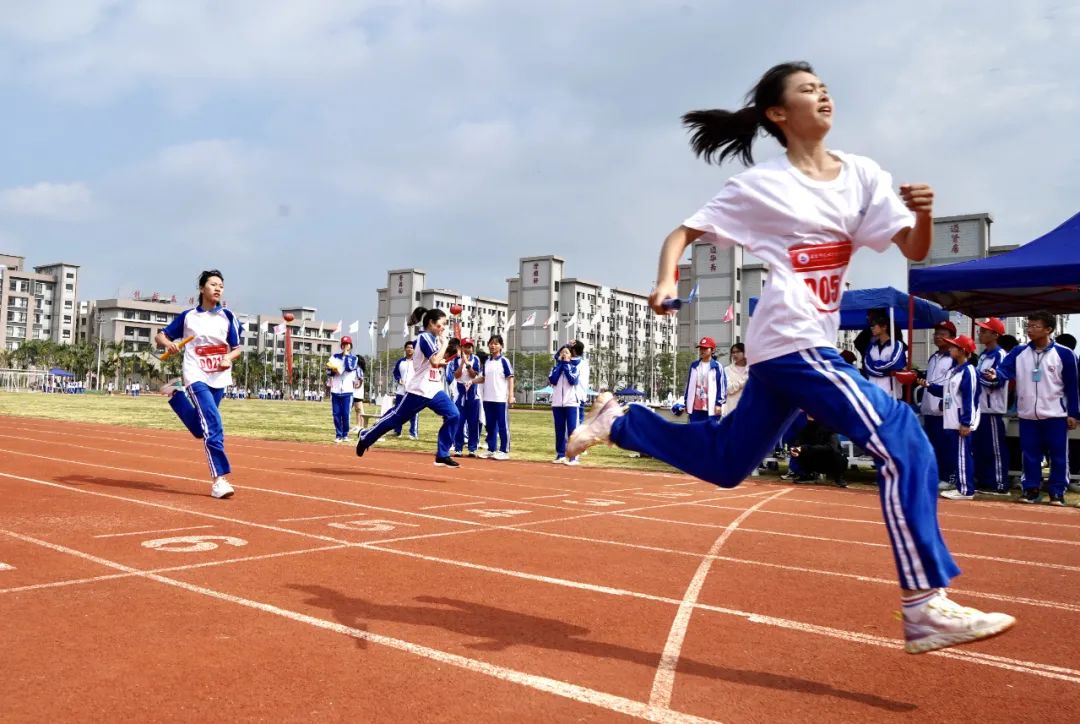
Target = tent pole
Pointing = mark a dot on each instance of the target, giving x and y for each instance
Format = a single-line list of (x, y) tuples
[(911, 339)]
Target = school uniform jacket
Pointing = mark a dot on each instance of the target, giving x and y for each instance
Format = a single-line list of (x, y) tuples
[(564, 383), (881, 360), (341, 383), (937, 372), (994, 399), (464, 393), (1050, 392), (715, 387), (960, 397)]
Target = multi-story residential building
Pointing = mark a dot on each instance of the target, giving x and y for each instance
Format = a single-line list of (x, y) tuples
[(405, 290), (37, 305), (614, 323)]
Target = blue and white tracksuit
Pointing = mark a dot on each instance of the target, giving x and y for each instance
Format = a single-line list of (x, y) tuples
[(495, 394), (565, 402), (341, 392), (960, 399), (819, 381), (1046, 395), (467, 401), (216, 332), (937, 373), (882, 361), (403, 370), (424, 389), (707, 386), (990, 444)]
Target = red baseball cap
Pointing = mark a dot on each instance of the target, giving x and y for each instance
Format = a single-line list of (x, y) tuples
[(993, 324), (947, 326), (467, 342), (964, 342), (707, 342), (345, 341)]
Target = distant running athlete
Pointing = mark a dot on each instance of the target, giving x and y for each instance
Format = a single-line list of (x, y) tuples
[(803, 214)]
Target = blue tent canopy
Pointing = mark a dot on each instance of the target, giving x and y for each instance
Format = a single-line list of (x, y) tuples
[(1042, 274), (857, 302), (629, 392), (57, 372)]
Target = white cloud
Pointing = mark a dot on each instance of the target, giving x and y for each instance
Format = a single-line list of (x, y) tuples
[(68, 202)]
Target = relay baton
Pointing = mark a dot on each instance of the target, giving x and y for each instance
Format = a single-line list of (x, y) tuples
[(179, 344)]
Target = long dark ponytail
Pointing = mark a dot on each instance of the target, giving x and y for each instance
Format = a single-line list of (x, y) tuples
[(424, 316), (718, 135)]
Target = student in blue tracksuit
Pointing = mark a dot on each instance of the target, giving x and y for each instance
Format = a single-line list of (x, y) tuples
[(207, 371), (403, 371), (804, 214), (425, 388), (463, 372), (341, 370), (497, 396), (1048, 404), (577, 349), (990, 445), (706, 385), (565, 403), (885, 357), (960, 402), (931, 407)]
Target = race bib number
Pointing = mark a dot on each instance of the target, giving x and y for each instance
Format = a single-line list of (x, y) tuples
[(210, 356), (822, 268), (433, 374)]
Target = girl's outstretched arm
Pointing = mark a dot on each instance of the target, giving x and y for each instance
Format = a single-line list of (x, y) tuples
[(666, 286)]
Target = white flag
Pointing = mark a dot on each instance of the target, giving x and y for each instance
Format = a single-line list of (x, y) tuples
[(596, 320), (551, 320), (572, 321), (385, 327), (530, 320), (405, 329), (513, 318), (279, 329), (466, 301), (320, 328), (354, 327), (337, 329)]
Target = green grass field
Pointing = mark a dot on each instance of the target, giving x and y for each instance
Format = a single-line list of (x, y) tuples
[(531, 430), (532, 435)]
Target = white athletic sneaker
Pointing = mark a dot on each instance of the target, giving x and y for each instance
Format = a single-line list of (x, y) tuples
[(936, 622), (597, 426), (572, 461), (559, 461), (945, 485), (485, 454), (955, 494), (221, 489), (500, 455)]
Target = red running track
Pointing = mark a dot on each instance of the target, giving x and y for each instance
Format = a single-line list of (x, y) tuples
[(331, 588)]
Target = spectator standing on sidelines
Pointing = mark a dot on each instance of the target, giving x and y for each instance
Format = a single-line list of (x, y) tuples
[(565, 404), (960, 401), (403, 372), (464, 373), (706, 385), (497, 395), (937, 372), (885, 357), (340, 376), (1048, 404), (990, 448), (736, 374)]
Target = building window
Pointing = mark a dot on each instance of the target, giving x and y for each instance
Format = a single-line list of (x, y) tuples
[(556, 286), (69, 287), (70, 275), (556, 306), (418, 296), (738, 295), (738, 274)]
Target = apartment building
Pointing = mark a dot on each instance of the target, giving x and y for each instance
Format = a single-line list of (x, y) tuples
[(39, 304)]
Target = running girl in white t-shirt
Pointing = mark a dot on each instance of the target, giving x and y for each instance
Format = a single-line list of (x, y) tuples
[(803, 214), (207, 370), (425, 387)]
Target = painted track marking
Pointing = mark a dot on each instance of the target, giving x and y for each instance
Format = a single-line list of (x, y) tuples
[(148, 532)]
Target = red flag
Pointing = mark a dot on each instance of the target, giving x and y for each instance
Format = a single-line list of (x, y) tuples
[(730, 313)]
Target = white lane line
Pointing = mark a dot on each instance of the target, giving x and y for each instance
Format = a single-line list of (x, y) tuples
[(169, 569), (664, 681), (542, 497), (319, 517), (453, 505), (879, 523), (1011, 664), (146, 532), (619, 490), (544, 684)]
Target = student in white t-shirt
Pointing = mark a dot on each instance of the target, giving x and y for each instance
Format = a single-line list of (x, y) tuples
[(207, 370), (803, 214), (425, 388), (497, 394), (358, 394)]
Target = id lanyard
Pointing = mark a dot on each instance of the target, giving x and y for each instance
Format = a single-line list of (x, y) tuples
[(1036, 372)]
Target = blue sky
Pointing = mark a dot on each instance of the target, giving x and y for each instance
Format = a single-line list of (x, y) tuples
[(306, 148)]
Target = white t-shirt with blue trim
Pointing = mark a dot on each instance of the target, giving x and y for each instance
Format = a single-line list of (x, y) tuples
[(216, 332)]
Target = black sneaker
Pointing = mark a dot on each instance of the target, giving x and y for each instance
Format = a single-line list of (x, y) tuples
[(446, 462), (361, 448), (1030, 496), (840, 483)]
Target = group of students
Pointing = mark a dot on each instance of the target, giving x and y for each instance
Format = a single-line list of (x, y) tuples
[(804, 214), (713, 390), (429, 362)]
